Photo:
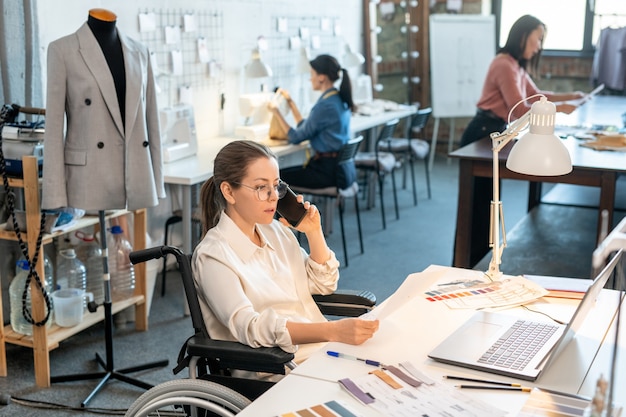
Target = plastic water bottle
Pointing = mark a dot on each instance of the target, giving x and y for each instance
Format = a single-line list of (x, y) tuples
[(16, 292), (121, 269), (48, 272), (89, 253), (71, 272)]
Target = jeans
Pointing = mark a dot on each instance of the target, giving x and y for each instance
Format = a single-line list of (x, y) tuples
[(481, 126)]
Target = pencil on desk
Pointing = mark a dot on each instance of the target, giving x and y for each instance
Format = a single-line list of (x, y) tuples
[(483, 381), (522, 389)]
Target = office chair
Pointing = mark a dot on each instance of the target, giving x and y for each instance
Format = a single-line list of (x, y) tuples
[(410, 149), (214, 360), (380, 164), (346, 156)]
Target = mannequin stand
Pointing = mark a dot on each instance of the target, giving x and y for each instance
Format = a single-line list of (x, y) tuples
[(108, 366)]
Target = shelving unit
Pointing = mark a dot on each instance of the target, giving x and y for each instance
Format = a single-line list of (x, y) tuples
[(43, 340)]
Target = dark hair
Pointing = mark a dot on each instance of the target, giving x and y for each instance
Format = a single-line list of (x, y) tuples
[(328, 65), (516, 42), (230, 165)]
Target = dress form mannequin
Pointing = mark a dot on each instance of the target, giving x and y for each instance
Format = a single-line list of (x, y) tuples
[(98, 157), (102, 24), (103, 142)]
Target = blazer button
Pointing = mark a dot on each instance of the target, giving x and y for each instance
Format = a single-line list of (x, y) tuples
[(100, 145), (145, 143), (88, 101)]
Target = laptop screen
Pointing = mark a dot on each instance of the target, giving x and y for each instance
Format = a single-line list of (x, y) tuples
[(586, 304)]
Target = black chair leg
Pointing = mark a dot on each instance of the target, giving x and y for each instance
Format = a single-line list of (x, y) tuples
[(427, 176), (395, 194), (168, 223), (413, 181), (343, 232), (358, 220), (381, 181)]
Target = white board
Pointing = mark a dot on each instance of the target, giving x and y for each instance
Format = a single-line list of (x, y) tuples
[(461, 49)]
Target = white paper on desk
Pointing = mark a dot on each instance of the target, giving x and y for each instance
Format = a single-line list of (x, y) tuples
[(480, 293), (437, 399), (407, 291)]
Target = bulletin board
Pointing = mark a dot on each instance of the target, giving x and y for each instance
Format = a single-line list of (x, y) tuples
[(461, 49), (186, 47)]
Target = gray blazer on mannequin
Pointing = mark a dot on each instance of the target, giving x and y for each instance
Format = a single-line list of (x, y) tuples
[(91, 161)]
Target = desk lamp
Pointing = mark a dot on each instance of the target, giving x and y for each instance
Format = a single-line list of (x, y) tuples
[(538, 152), (351, 59), (615, 241), (256, 68)]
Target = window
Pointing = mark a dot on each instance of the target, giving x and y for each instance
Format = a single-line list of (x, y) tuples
[(572, 27)]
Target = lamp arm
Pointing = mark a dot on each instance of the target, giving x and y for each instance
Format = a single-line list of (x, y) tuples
[(496, 219), (499, 140)]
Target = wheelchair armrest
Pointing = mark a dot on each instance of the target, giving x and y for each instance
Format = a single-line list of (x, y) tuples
[(235, 355), (347, 303)]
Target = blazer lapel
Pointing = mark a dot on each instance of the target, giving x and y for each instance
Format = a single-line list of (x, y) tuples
[(132, 65), (97, 64)]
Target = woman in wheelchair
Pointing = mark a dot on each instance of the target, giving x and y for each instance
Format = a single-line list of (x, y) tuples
[(255, 282)]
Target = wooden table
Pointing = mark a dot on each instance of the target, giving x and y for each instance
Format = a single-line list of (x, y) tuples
[(590, 168)]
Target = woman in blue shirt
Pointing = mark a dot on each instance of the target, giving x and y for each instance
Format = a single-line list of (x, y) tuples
[(327, 127)]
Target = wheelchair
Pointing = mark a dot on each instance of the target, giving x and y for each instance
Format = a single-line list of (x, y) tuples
[(211, 389)]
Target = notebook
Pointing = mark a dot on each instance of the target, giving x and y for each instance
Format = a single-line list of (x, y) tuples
[(477, 344)]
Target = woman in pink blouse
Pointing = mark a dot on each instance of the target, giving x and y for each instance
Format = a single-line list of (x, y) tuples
[(508, 82)]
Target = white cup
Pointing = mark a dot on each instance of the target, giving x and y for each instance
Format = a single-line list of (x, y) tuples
[(68, 306)]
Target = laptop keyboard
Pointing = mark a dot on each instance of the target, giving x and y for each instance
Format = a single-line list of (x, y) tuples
[(519, 345)]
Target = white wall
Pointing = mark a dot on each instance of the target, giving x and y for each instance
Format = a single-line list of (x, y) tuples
[(244, 21)]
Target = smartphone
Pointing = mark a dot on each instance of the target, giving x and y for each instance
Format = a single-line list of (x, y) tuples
[(290, 209)]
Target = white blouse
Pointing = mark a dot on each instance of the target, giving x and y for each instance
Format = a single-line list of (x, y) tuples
[(247, 293)]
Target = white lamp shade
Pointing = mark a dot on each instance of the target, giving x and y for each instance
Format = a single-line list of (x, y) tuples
[(256, 68), (540, 151), (303, 61), (543, 155), (352, 59)]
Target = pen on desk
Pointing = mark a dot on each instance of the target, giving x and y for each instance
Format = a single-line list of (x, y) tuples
[(522, 389), (482, 381), (354, 358)]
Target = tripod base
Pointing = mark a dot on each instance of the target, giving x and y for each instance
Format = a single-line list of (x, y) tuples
[(111, 374)]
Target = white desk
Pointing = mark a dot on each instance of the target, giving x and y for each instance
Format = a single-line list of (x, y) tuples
[(412, 327), (369, 124)]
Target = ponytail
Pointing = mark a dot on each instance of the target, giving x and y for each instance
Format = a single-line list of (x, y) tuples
[(211, 204), (345, 90)]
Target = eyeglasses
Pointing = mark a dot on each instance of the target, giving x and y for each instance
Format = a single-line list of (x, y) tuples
[(264, 192)]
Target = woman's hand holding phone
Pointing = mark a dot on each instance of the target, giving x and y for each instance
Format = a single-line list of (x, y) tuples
[(297, 213)]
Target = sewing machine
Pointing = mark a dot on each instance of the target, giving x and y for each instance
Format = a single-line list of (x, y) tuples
[(178, 133), (257, 117), (19, 140)]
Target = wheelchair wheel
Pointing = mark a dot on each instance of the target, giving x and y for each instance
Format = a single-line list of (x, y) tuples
[(188, 397)]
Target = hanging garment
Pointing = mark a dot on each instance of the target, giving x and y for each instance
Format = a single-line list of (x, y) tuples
[(609, 60)]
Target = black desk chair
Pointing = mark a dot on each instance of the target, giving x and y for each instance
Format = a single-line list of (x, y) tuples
[(346, 156), (380, 164), (410, 149), (214, 360)]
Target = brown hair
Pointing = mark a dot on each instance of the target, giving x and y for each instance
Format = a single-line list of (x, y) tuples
[(230, 165)]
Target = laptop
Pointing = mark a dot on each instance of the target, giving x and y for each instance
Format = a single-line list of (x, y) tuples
[(479, 343)]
